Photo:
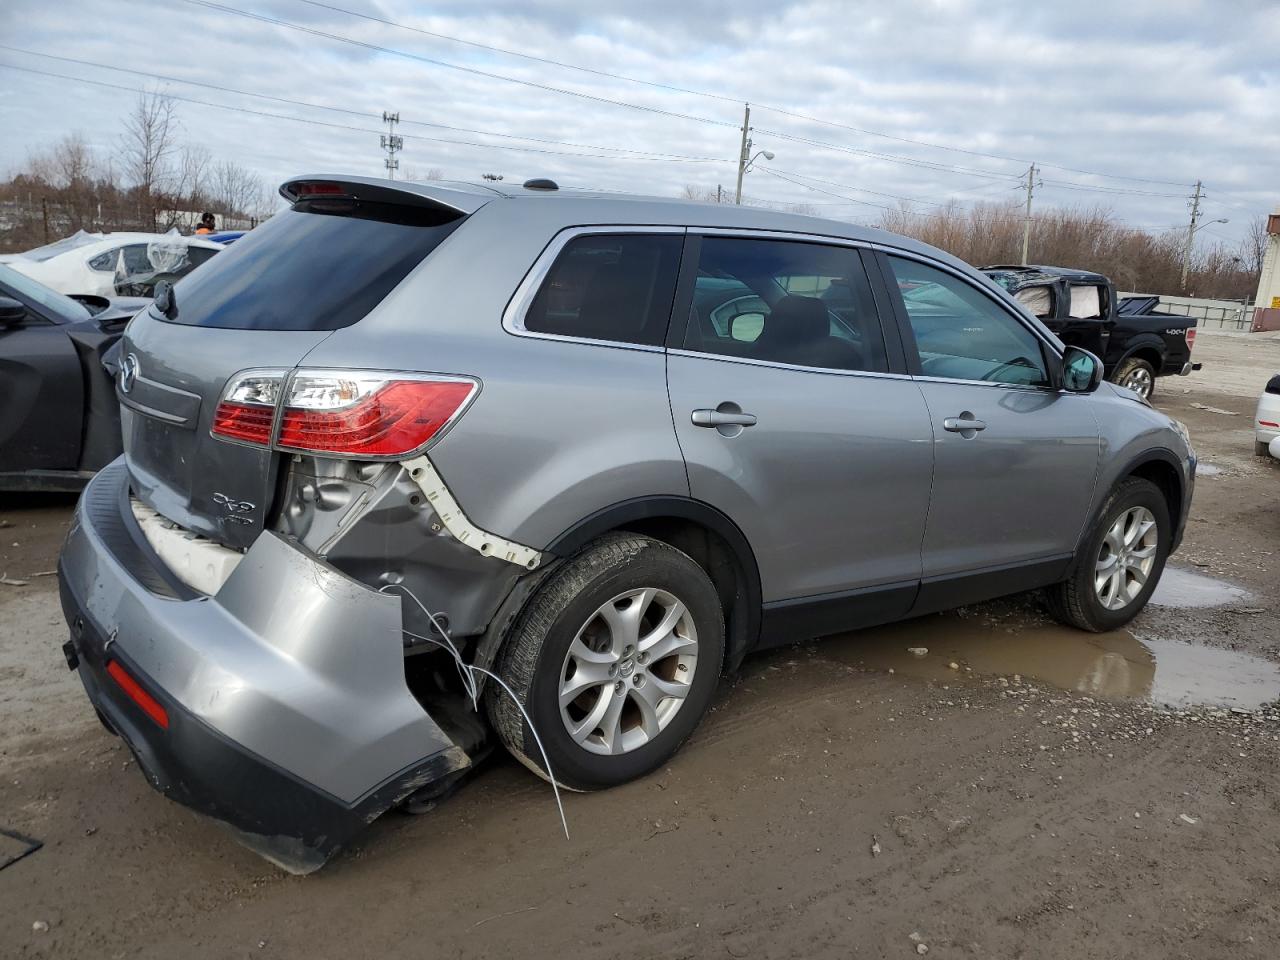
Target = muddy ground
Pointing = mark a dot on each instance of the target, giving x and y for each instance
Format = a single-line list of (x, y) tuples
[(844, 799)]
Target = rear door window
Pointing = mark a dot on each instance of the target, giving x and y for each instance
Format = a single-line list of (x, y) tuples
[(321, 265), (782, 301), (606, 286), (1038, 300), (1086, 301)]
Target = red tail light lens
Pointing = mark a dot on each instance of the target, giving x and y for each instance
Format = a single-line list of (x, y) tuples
[(248, 407), (368, 415), (1191, 337), (150, 706)]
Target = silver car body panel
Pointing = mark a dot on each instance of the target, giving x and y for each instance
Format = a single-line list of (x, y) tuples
[(291, 659)]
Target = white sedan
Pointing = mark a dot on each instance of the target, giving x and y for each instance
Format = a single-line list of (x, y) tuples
[(1266, 422), (113, 264)]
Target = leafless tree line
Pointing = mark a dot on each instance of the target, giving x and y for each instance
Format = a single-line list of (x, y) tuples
[(1092, 238), (152, 180)]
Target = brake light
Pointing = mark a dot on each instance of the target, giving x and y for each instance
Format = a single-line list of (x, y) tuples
[(368, 415), (1191, 337), (150, 706), (318, 188), (247, 409)]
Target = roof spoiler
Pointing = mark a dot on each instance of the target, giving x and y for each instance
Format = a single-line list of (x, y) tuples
[(463, 201)]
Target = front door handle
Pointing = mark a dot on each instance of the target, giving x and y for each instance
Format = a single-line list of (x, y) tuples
[(966, 424), (721, 418)]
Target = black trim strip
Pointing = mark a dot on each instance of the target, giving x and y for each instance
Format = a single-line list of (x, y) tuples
[(787, 621)]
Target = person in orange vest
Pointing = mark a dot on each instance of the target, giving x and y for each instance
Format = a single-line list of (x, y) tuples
[(207, 224)]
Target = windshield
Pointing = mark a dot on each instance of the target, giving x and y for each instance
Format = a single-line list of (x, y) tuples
[(31, 293)]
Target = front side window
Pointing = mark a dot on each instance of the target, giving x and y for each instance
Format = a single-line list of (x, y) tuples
[(1038, 300), (610, 287), (961, 334), (785, 301)]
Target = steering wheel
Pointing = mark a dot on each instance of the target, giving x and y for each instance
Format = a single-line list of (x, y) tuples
[(1015, 362)]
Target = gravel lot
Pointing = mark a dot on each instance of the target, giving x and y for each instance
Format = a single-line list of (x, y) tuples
[(844, 799)]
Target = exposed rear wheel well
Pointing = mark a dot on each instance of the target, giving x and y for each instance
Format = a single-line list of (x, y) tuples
[(1150, 355)]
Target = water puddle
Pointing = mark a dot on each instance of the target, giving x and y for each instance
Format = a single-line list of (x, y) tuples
[(1186, 588), (1116, 665), (1208, 470)]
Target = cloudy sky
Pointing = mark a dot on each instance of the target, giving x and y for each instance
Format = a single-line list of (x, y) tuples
[(1122, 104)]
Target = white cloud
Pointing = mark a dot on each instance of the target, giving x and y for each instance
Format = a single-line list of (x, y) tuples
[(1164, 90)]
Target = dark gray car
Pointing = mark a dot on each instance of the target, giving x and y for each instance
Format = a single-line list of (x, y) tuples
[(599, 447)]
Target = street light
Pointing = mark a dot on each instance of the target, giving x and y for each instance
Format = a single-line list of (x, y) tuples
[(1186, 253), (744, 164), (767, 154)]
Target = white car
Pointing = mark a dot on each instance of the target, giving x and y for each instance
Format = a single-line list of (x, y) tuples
[(113, 264), (1266, 421)]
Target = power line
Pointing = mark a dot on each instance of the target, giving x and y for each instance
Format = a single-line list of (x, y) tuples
[(345, 110), (210, 4), (339, 126), (275, 21), (714, 96)]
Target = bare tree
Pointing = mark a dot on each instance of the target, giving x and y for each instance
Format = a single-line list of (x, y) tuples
[(148, 143), (237, 192), (1254, 245)]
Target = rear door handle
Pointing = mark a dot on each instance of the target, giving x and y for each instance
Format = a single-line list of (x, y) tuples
[(966, 424), (719, 418)]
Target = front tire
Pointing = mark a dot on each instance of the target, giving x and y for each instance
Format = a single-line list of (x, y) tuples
[(615, 658), (1120, 561), (1138, 375)]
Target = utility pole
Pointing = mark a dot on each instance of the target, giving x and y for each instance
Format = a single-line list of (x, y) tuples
[(1026, 220), (391, 143), (1191, 232), (719, 194), (745, 154)]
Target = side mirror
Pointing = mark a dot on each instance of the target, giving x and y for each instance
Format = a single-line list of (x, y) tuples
[(1081, 371), (11, 312)]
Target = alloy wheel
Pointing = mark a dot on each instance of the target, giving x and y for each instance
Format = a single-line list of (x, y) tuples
[(1139, 380), (628, 671), (1126, 557)]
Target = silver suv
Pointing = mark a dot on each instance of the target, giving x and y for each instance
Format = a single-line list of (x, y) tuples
[(411, 449)]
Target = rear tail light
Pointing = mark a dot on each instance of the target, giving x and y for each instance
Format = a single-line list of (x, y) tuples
[(1191, 337), (364, 415), (247, 410), (149, 704)]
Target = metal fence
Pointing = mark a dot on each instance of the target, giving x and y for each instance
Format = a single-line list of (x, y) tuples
[(1220, 314)]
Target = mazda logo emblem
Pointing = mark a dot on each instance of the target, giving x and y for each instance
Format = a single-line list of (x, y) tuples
[(128, 373)]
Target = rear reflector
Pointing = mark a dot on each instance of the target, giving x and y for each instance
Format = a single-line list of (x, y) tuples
[(139, 696), (248, 407), (361, 414)]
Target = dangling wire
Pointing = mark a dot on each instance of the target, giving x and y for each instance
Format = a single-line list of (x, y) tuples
[(467, 672)]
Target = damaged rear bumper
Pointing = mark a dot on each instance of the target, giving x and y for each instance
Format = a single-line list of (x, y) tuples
[(286, 712)]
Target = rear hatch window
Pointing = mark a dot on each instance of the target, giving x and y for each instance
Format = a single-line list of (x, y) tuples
[(321, 265)]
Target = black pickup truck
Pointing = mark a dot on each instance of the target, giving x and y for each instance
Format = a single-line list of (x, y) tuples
[(1136, 343)]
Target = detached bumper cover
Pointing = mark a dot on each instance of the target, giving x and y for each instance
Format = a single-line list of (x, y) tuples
[(289, 716)]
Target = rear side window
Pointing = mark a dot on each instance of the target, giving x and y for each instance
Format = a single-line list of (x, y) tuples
[(609, 287), (783, 301), (1086, 301), (317, 266)]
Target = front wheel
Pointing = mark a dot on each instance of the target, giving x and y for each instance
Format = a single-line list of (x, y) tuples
[(615, 659), (1120, 561), (1138, 375)]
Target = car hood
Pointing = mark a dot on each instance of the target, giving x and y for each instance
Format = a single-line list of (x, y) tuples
[(112, 310)]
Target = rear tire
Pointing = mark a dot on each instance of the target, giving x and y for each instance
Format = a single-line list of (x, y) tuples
[(1111, 579), (634, 627), (1138, 375)]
